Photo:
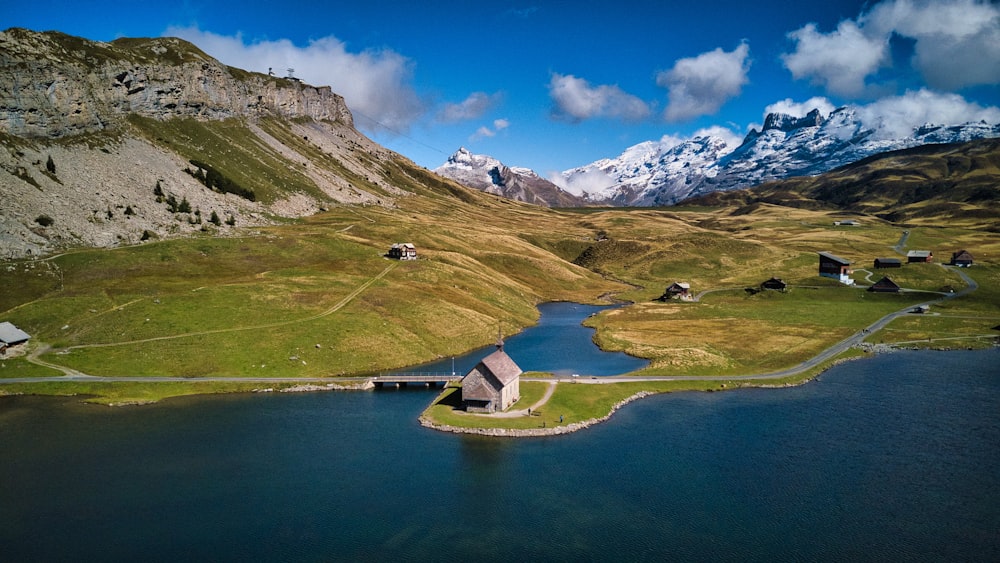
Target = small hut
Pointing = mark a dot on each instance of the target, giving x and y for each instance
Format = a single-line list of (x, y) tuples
[(774, 284), (881, 263), (962, 259), (10, 335), (884, 285), (403, 251), (919, 256), (677, 290)]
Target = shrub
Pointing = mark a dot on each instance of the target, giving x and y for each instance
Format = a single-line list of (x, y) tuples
[(45, 220), (184, 206), (214, 219), (50, 165)]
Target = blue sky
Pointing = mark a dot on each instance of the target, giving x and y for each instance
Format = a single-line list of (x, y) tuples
[(552, 85)]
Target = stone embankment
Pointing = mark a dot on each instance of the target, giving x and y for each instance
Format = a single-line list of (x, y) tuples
[(534, 432)]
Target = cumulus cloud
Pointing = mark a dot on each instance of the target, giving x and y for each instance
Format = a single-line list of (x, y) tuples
[(484, 131), (795, 109), (897, 116), (956, 44), (576, 99), (840, 61), (701, 85), (473, 107), (376, 84)]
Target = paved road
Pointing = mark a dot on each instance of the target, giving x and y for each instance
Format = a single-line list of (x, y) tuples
[(823, 356)]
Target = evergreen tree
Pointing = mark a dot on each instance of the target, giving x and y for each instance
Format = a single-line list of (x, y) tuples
[(214, 219), (50, 165)]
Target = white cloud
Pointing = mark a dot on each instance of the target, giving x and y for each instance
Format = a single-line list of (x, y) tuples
[(732, 138), (484, 131), (956, 44), (701, 85), (472, 107), (957, 41), (575, 99), (376, 84), (795, 109), (840, 60), (591, 181), (897, 116)]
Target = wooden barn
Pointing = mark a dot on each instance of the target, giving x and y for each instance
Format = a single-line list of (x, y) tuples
[(403, 251), (774, 284), (962, 259), (493, 385), (919, 256), (831, 266), (10, 335), (881, 263), (884, 285)]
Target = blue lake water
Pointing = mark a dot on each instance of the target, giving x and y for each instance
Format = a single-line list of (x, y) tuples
[(894, 458), (558, 344)]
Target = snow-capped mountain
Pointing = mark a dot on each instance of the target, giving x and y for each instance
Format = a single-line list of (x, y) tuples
[(488, 174), (664, 173)]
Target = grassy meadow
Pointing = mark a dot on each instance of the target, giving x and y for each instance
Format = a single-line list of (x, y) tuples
[(316, 298)]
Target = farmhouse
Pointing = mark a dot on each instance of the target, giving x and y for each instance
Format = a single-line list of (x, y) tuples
[(962, 259), (677, 290), (831, 266), (493, 385), (403, 251), (884, 285), (919, 256), (888, 263), (10, 335), (775, 284)]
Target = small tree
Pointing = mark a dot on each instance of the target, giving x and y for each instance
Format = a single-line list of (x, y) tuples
[(231, 221), (158, 192), (50, 165), (172, 203), (214, 219), (45, 220), (184, 206)]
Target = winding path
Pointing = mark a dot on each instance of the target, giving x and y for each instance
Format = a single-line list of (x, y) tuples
[(829, 353)]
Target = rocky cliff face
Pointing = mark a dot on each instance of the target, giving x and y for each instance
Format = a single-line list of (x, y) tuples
[(54, 85), (105, 144)]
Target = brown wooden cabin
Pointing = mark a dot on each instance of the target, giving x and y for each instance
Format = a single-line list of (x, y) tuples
[(884, 285), (962, 259), (677, 290), (831, 266), (774, 284), (403, 251), (919, 256), (881, 263)]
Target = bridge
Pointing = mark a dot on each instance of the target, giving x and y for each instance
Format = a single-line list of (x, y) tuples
[(424, 379)]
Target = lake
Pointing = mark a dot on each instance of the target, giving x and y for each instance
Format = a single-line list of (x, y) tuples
[(896, 457), (558, 344)]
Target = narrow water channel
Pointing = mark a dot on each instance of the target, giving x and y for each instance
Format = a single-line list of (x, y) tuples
[(558, 344)]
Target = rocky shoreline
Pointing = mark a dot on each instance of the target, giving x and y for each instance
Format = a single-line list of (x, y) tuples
[(534, 432)]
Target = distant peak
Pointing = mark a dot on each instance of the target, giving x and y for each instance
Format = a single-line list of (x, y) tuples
[(785, 122)]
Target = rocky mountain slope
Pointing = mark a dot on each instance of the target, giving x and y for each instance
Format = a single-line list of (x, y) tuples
[(662, 174), (488, 174), (114, 143), (953, 184)]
